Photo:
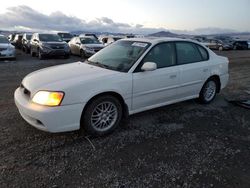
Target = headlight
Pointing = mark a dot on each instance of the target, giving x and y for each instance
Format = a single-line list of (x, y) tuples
[(48, 98)]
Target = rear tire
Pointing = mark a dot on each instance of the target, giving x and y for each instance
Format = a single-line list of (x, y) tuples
[(102, 115), (208, 91)]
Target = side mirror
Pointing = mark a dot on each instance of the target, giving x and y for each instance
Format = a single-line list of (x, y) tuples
[(149, 66)]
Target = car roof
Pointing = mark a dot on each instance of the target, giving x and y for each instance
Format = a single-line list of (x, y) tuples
[(155, 40), (45, 33)]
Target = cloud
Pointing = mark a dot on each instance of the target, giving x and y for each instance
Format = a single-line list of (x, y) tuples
[(24, 17)]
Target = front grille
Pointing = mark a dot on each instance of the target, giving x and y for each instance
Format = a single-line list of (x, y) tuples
[(57, 47), (2, 49)]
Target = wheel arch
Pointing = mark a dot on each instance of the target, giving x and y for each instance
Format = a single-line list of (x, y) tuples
[(217, 79), (118, 96)]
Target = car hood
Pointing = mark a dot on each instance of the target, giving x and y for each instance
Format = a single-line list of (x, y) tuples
[(94, 45), (54, 42), (63, 76)]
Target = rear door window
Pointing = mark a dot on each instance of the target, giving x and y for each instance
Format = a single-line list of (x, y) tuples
[(187, 52), (162, 54)]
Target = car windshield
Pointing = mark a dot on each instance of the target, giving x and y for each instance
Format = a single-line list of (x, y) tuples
[(50, 38), (65, 35), (28, 37), (89, 41), (3, 40), (117, 38), (119, 56)]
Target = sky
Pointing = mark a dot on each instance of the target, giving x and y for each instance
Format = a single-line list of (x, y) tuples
[(127, 15)]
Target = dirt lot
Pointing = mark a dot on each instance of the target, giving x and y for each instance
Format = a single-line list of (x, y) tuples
[(181, 145)]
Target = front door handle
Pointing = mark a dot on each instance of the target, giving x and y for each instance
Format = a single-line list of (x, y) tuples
[(173, 76)]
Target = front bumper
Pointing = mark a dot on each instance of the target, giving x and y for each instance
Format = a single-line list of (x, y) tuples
[(55, 52), (8, 54), (50, 119), (89, 53)]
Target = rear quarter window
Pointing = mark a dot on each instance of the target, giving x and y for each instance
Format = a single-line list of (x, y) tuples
[(203, 52)]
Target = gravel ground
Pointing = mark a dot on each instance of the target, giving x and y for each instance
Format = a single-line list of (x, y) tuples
[(181, 145)]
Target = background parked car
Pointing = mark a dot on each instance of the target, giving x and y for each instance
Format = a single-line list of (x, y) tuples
[(88, 35), (129, 36), (109, 40), (11, 38), (85, 46), (7, 50), (65, 36), (26, 42), (17, 42), (44, 45), (199, 38), (241, 45), (215, 44)]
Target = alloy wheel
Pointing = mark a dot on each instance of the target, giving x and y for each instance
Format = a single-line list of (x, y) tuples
[(210, 90), (104, 116)]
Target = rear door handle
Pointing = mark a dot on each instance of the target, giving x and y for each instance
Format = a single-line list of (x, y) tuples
[(173, 76)]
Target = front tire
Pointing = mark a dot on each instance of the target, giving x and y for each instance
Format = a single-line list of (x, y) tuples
[(40, 55), (82, 54), (102, 115), (208, 91), (32, 53), (66, 56), (26, 50)]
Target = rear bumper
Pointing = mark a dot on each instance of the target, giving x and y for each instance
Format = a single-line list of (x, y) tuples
[(224, 80), (50, 119)]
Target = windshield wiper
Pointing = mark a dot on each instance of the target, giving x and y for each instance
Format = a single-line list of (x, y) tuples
[(100, 64)]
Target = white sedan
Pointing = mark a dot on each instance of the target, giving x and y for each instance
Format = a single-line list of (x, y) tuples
[(127, 77)]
